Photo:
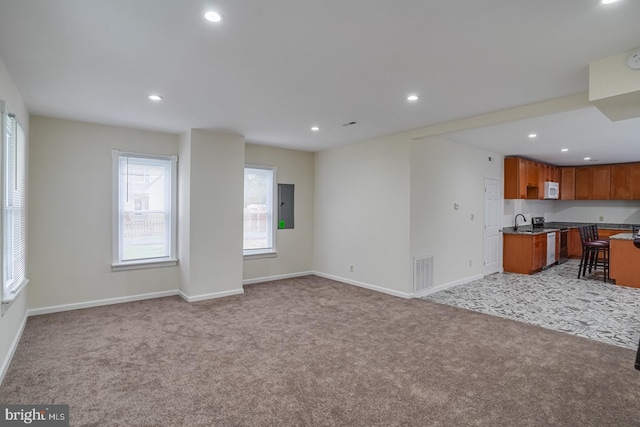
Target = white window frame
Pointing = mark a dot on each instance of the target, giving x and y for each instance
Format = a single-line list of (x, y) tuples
[(266, 252), (118, 263), (14, 210)]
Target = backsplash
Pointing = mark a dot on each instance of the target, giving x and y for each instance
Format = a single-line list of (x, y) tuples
[(584, 211)]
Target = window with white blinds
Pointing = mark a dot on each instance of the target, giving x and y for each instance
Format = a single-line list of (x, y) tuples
[(14, 218)]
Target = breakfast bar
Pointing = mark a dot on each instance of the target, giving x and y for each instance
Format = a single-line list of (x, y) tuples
[(624, 260)]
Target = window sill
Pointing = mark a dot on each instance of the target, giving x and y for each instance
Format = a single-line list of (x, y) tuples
[(139, 265), (260, 255), (13, 295)]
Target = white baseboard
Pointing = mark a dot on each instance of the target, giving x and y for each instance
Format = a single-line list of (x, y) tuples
[(97, 303), (278, 277), (203, 297), (447, 286), (365, 285), (12, 350)]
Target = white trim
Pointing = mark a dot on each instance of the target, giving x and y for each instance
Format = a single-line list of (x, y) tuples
[(277, 277), (15, 292), (447, 286), (98, 303), (203, 297), (138, 265), (12, 349), (365, 285), (271, 254), (171, 206)]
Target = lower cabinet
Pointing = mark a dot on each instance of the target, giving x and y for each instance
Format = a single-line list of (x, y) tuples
[(575, 244), (524, 254)]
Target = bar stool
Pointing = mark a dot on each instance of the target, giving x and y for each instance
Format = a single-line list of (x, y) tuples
[(595, 251), (598, 260)]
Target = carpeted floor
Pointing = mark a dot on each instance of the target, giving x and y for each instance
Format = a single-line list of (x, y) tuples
[(313, 352)]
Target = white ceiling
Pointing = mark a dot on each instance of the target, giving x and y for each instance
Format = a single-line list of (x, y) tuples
[(584, 132), (274, 68)]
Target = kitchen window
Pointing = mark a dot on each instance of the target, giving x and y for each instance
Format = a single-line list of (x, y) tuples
[(259, 220), (14, 209), (144, 210)]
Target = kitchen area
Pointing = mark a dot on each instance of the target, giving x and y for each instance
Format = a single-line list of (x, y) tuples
[(545, 205)]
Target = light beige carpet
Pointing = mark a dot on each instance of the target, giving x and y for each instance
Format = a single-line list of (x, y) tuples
[(313, 352)]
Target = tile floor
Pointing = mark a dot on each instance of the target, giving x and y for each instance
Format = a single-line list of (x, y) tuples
[(556, 299)]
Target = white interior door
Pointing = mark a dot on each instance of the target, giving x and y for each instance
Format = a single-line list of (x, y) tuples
[(492, 225)]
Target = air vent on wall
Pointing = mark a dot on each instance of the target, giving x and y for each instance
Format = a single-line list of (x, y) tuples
[(422, 273)]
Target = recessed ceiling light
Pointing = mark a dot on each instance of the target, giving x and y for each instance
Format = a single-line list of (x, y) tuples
[(533, 135), (564, 149), (315, 128), (213, 16), (155, 97), (587, 158), (412, 98), (608, 1)]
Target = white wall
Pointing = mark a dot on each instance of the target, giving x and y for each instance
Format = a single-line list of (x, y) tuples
[(361, 216), (184, 214), (214, 240), (12, 317), (612, 211), (529, 208), (294, 246), (444, 172), (70, 214)]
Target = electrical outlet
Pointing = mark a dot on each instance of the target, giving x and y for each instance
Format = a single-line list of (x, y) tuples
[(470, 262), (351, 268), (601, 218), (472, 217)]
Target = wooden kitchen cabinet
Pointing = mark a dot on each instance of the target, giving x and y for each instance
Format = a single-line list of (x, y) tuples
[(625, 181), (539, 251), (601, 182), (524, 254), (515, 185), (634, 181), (546, 173), (574, 244), (524, 179), (567, 183), (620, 189), (583, 183), (593, 183), (521, 178)]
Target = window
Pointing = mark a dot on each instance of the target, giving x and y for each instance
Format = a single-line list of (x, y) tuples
[(144, 210), (259, 221), (14, 218)]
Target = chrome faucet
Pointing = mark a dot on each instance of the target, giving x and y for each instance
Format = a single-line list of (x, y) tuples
[(515, 221)]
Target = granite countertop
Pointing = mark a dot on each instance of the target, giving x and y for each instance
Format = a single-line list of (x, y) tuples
[(623, 236), (529, 231), (549, 227)]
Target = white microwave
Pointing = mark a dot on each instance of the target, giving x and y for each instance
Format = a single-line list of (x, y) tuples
[(551, 190)]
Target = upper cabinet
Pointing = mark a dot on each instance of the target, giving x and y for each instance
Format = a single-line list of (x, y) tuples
[(524, 179), (625, 181), (568, 183), (593, 183)]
